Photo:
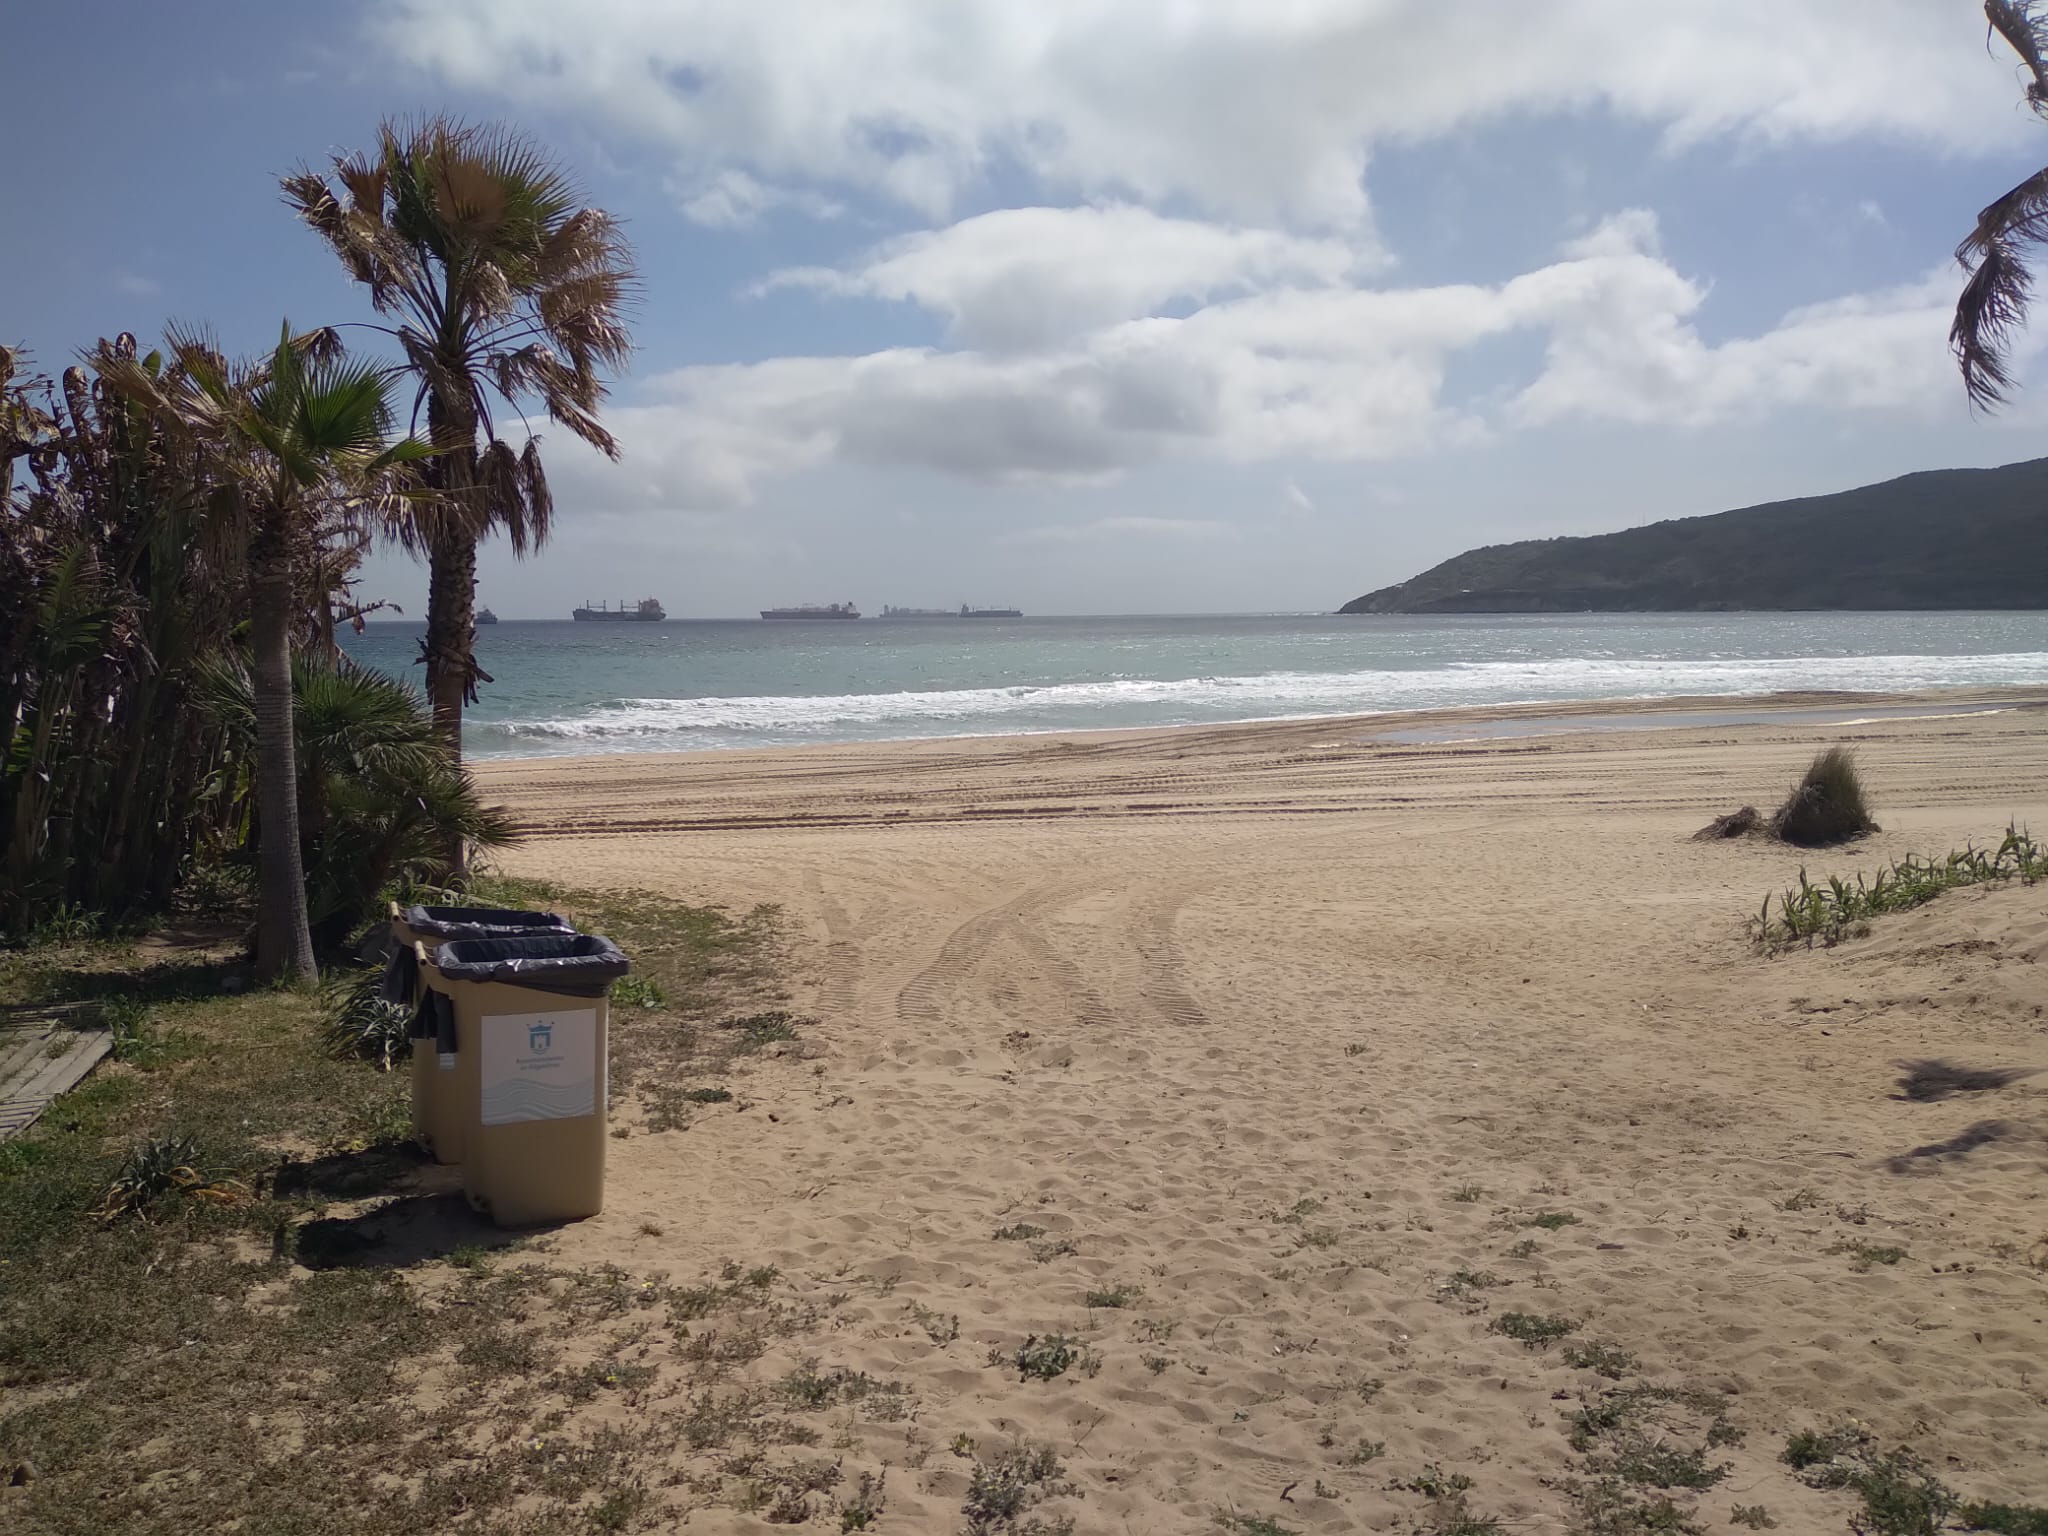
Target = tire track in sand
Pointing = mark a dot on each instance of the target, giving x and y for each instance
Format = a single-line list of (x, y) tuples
[(920, 1002)]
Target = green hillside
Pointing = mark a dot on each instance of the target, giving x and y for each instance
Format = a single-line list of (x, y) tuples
[(1947, 538)]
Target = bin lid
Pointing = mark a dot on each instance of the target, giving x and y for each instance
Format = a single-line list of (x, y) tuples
[(482, 922), (570, 964)]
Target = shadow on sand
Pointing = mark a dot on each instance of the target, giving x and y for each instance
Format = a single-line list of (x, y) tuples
[(1928, 1080), (422, 1218), (1938, 1154)]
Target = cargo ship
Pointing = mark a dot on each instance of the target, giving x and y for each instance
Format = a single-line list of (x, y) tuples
[(990, 613), (813, 611), (485, 616), (646, 611)]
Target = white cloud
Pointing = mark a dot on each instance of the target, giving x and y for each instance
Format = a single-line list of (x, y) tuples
[(1622, 345), (1331, 372), (137, 286), (1025, 277), (1259, 110), (1298, 499), (734, 200)]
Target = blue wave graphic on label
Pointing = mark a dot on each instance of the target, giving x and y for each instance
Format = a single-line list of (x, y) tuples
[(511, 1102)]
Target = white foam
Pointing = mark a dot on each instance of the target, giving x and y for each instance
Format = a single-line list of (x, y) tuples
[(654, 724)]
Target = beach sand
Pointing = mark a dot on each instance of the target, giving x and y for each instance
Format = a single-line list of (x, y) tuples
[(1290, 1026)]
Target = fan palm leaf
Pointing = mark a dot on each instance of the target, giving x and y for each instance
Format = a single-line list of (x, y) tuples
[(1997, 254)]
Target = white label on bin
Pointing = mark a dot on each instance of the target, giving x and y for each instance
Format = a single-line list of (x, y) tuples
[(539, 1066)]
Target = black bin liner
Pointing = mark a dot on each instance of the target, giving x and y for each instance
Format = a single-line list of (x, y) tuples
[(570, 964), (446, 923)]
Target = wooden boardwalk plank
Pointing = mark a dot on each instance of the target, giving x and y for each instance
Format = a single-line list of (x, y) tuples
[(39, 1059)]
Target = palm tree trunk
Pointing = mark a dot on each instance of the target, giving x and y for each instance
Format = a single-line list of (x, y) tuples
[(284, 939), (451, 628)]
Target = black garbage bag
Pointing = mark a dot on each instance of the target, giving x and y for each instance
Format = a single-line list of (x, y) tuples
[(571, 965), (447, 923)]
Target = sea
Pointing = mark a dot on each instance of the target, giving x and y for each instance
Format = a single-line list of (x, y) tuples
[(560, 687)]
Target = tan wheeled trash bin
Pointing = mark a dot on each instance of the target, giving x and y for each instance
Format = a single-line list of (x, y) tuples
[(434, 1124), (530, 1021)]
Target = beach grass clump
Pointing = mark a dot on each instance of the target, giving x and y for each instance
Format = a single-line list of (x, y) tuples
[(1827, 805), (1837, 910)]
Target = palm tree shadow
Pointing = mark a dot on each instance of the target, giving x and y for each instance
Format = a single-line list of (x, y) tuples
[(1930, 1079), (1937, 1154)]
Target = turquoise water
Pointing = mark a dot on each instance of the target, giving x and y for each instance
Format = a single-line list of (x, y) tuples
[(561, 687)]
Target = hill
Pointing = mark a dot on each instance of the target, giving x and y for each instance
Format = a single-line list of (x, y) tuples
[(1945, 538)]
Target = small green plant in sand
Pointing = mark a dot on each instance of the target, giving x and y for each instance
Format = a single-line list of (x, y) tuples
[(758, 1031), (939, 1327), (1022, 1231), (158, 1168), (1799, 1200), (1041, 1357), (637, 992), (864, 1505), (1053, 1248), (1834, 910), (1609, 1360), (1468, 1194), (1364, 1452), (1434, 1482), (1114, 1296), (809, 1388), (1865, 1256), (1534, 1329), (1525, 1249), (1550, 1221), (1003, 1490), (1901, 1497), (1609, 1507), (2005, 1519), (1254, 1525), (1754, 1516), (358, 1023)]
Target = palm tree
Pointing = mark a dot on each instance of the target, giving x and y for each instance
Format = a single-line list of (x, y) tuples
[(502, 290), (290, 438), (1993, 307)]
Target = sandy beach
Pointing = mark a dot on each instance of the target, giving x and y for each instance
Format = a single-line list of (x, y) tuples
[(1326, 1053)]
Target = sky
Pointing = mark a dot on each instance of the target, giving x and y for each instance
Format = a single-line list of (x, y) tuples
[(1101, 306)]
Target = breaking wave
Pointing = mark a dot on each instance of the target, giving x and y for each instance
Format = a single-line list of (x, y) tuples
[(657, 724)]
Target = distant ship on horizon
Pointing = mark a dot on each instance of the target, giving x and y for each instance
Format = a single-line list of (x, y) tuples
[(485, 616), (646, 611), (963, 612), (813, 611)]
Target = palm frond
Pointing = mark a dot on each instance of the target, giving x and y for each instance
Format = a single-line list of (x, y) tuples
[(2026, 33), (1991, 311)]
